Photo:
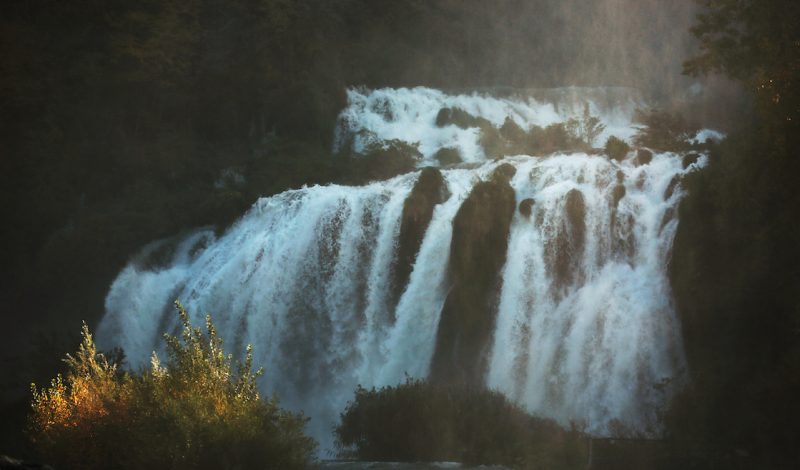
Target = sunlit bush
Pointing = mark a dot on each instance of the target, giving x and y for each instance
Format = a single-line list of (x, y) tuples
[(199, 410)]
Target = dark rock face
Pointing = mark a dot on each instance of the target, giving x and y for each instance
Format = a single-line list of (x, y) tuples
[(477, 254), (429, 190), (526, 207), (643, 157)]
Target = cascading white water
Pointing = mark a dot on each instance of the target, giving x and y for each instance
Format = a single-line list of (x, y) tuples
[(305, 276), (409, 115)]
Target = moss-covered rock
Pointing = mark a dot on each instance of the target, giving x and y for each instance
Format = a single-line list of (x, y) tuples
[(477, 254), (448, 156), (526, 207), (429, 190), (617, 148)]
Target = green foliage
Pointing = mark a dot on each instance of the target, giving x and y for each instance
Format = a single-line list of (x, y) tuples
[(662, 130), (200, 410), (617, 148), (420, 421), (756, 42)]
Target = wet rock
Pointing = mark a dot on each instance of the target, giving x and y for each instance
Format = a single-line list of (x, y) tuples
[(384, 160), (511, 131), (491, 141), (668, 216), (429, 190), (477, 255), (690, 159), (640, 180), (526, 207), (504, 172), (566, 253), (643, 157), (516, 139), (457, 117), (617, 194), (673, 183), (448, 156)]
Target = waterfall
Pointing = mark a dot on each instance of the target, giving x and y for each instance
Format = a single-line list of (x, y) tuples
[(584, 324)]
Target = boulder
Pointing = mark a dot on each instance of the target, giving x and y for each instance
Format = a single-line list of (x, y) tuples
[(429, 190), (565, 251), (477, 255), (448, 156), (457, 117), (690, 159), (526, 207), (504, 172), (643, 157)]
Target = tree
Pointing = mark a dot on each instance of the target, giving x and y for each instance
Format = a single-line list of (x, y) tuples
[(735, 256), (756, 42), (586, 128), (197, 411)]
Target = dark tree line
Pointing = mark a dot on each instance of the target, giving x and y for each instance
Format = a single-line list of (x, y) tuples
[(736, 261)]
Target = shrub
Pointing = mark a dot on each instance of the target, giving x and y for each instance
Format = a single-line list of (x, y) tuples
[(553, 138), (197, 411), (617, 148), (422, 421), (587, 128)]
